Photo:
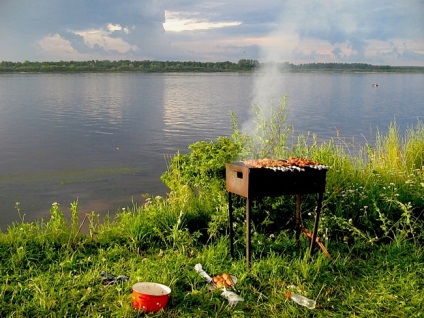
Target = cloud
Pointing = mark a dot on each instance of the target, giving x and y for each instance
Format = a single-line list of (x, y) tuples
[(55, 43), (117, 27), (103, 39), (343, 31), (185, 21), (295, 31), (86, 44)]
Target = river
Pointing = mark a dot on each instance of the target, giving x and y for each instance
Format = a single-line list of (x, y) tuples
[(103, 138)]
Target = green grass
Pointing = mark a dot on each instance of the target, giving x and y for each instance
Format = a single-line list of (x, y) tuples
[(372, 225), (46, 279)]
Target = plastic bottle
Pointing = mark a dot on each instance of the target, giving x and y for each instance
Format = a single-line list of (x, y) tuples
[(302, 300)]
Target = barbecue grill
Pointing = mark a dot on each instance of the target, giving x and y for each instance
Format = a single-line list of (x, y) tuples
[(253, 182)]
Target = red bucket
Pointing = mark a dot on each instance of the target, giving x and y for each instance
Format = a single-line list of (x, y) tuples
[(150, 297)]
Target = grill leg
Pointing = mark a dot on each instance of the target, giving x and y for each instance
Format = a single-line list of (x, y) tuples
[(298, 219), (230, 212), (248, 206), (317, 216)]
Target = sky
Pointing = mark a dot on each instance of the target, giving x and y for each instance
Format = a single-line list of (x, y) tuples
[(380, 32)]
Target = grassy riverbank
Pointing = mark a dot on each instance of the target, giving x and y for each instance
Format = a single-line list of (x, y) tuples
[(372, 225)]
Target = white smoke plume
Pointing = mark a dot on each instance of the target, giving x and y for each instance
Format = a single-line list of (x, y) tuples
[(270, 77)]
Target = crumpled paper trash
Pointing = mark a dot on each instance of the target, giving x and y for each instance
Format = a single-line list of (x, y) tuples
[(232, 297), (198, 268)]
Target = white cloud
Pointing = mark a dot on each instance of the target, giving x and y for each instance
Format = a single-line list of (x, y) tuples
[(117, 27), (185, 21), (56, 45), (101, 38), (61, 47)]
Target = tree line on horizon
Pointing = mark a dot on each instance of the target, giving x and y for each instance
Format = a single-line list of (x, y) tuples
[(149, 66)]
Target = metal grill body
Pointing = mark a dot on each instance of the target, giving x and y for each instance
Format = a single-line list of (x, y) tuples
[(254, 183)]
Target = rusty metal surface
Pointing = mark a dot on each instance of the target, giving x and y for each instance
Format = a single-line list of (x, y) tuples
[(251, 182)]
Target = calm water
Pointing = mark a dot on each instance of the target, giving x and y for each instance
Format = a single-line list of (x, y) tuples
[(101, 138)]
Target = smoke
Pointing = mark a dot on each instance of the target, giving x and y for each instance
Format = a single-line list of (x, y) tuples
[(326, 32), (267, 93), (266, 125), (270, 77)]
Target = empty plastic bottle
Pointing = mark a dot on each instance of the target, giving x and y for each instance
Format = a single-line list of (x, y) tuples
[(302, 300)]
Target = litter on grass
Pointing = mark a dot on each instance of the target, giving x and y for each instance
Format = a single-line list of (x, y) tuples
[(215, 283), (198, 268), (108, 279)]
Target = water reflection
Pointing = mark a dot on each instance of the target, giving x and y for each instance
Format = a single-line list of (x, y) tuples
[(94, 101), (199, 106), (96, 137), (348, 104)]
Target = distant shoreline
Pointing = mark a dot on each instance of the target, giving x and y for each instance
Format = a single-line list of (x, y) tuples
[(147, 66)]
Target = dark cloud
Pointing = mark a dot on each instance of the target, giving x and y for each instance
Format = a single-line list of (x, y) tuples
[(77, 41), (350, 29), (337, 52)]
